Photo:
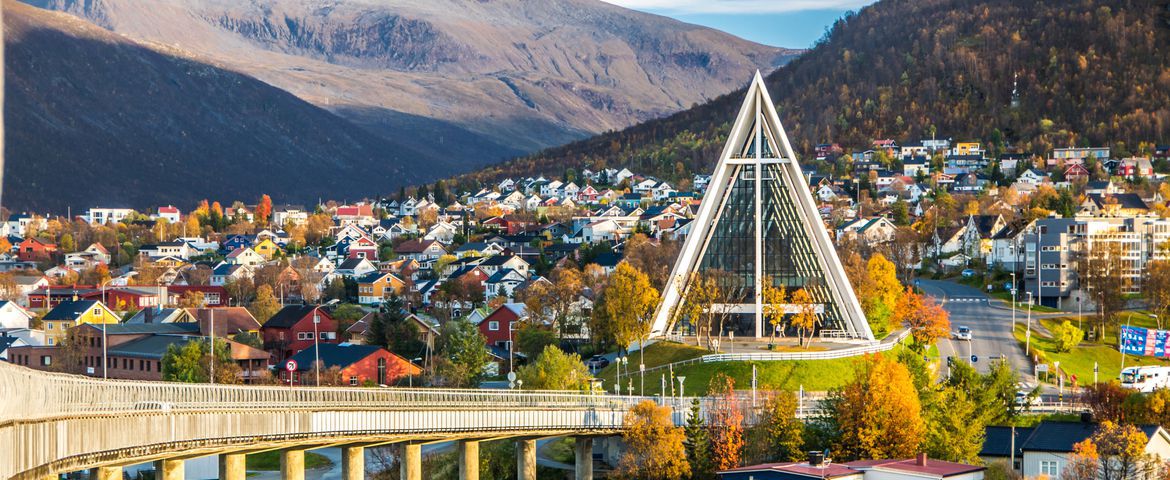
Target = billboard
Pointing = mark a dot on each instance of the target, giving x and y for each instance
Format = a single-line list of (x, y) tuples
[(1144, 341)]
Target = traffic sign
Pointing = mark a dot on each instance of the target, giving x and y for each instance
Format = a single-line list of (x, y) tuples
[(974, 358), (291, 365)]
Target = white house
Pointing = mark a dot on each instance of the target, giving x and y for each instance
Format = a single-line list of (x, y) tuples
[(244, 256), (13, 316)]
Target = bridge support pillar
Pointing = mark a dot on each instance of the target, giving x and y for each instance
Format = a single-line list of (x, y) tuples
[(411, 461), (353, 463), (584, 458), (468, 460), (103, 473), (525, 459), (232, 466), (292, 464), (167, 470)]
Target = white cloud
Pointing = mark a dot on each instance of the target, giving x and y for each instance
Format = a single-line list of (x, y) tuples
[(739, 6)]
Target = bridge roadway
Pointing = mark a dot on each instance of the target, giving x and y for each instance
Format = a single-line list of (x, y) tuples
[(55, 423)]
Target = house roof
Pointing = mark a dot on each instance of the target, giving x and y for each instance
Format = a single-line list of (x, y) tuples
[(1124, 200), (228, 320), (149, 328), (71, 310), (997, 441), (351, 263), (151, 346), (334, 355), (931, 467), (499, 260), (834, 470), (289, 316)]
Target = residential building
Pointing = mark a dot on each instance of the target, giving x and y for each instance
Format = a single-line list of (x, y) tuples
[(1046, 449), (358, 364), (170, 213), (66, 315), (96, 216), (295, 328), (376, 287), (819, 468), (499, 326)]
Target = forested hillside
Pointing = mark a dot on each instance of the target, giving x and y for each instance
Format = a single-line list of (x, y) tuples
[(1086, 72)]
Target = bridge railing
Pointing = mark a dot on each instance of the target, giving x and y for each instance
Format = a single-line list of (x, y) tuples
[(31, 394)]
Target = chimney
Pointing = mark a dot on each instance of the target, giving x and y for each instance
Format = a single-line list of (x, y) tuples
[(920, 460), (148, 315), (816, 458)]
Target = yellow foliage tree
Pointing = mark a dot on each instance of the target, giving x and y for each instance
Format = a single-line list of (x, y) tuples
[(654, 446), (805, 319), (774, 300), (878, 413), (925, 318)]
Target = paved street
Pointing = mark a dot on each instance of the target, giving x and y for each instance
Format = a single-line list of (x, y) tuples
[(990, 322)]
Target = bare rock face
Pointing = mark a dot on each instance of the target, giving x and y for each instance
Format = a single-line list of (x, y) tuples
[(512, 76)]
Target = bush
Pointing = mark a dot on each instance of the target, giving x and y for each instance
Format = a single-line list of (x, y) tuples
[(1067, 336)]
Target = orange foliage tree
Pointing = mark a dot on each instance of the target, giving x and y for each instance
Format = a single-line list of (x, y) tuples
[(726, 421), (925, 318), (263, 210), (654, 445)]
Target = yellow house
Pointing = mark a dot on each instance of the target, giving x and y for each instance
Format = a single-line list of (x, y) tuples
[(968, 148), (71, 314), (375, 287), (266, 248)]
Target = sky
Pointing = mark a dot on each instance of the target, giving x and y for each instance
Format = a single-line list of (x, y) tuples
[(780, 23)]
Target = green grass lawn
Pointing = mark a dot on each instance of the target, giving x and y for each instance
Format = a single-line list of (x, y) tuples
[(561, 450), (270, 461), (1080, 360), (814, 375), (660, 353)]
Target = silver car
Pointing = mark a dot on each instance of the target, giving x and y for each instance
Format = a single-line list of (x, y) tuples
[(964, 333)]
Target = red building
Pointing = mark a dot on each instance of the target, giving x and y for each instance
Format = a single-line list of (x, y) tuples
[(292, 329), (500, 325), (35, 250), (362, 247), (359, 364)]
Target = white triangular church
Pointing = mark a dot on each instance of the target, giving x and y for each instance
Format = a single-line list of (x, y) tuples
[(763, 228)]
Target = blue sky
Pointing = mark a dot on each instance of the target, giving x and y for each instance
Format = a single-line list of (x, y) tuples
[(781, 23)]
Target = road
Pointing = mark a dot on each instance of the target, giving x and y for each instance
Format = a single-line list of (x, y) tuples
[(990, 322)]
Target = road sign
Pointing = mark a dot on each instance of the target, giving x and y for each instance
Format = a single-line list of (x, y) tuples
[(974, 358), (511, 376), (1042, 368), (291, 365)]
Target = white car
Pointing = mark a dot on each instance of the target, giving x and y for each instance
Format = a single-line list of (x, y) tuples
[(963, 333)]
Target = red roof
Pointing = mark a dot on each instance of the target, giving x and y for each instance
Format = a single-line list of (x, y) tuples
[(355, 210), (168, 209), (833, 470)]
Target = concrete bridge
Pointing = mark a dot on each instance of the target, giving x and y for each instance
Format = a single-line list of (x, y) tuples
[(55, 423)]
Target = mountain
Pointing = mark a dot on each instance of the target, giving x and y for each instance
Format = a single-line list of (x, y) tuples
[(95, 119), (1084, 71), (476, 81)]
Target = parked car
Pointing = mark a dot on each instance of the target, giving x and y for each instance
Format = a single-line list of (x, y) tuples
[(597, 362), (963, 333)]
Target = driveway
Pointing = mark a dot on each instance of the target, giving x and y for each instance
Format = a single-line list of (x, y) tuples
[(990, 322)]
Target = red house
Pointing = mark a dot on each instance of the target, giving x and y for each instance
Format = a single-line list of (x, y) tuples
[(292, 330), (362, 247), (358, 363), (35, 250), (500, 325)]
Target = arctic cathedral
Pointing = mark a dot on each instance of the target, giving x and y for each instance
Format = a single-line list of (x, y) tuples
[(758, 223)]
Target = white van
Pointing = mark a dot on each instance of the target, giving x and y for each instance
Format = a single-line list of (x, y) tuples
[(1145, 379)]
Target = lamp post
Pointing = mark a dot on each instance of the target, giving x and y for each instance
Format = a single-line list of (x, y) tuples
[(1014, 305), (105, 326), (317, 338), (1028, 334)]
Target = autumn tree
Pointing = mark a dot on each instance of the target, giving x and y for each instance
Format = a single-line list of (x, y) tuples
[(925, 318), (775, 299), (1067, 336), (1122, 453), (876, 415), (654, 446), (1157, 288), (555, 370), (726, 421), (805, 319), (194, 299), (879, 295), (1101, 269), (629, 302), (1084, 463), (263, 211), (265, 305)]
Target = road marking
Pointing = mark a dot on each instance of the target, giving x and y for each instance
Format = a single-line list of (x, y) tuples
[(964, 300)]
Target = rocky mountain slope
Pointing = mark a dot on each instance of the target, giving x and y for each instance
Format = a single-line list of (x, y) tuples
[(96, 119), (473, 80), (1027, 75)]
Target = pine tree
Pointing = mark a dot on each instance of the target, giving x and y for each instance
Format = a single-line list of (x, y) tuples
[(698, 444)]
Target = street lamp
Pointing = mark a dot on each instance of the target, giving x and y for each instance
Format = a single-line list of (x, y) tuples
[(317, 338), (1028, 334), (105, 326)]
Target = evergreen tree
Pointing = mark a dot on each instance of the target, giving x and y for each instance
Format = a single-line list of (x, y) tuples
[(698, 444)]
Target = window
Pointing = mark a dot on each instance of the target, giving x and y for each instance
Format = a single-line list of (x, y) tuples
[(1050, 468), (46, 360), (353, 381), (49, 325), (323, 336), (97, 312), (493, 326), (52, 341)]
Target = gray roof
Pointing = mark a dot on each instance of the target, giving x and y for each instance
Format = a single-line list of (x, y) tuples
[(151, 347), (190, 328)]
